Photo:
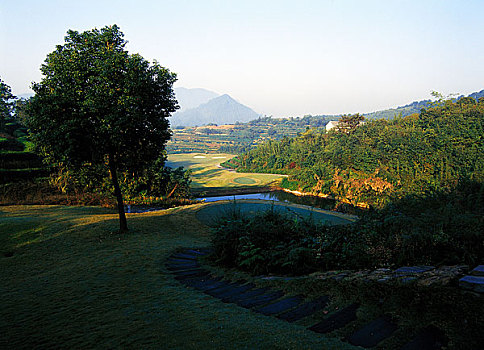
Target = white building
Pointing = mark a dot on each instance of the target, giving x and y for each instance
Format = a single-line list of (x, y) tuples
[(332, 124)]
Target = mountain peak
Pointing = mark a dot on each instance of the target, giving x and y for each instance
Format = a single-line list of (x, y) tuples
[(219, 110)]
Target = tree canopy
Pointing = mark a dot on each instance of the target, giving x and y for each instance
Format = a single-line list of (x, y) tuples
[(381, 160), (97, 105), (6, 104)]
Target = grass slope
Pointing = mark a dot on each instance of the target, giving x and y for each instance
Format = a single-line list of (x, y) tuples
[(206, 171), (66, 281)]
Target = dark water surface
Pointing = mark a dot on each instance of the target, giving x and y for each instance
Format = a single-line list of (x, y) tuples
[(279, 196)]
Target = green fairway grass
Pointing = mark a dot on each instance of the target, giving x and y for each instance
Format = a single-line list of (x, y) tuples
[(206, 171), (67, 282), (245, 180)]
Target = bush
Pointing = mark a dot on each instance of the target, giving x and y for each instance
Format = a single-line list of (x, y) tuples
[(267, 242), (445, 228)]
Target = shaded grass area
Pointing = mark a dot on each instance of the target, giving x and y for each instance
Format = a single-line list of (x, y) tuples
[(67, 281)]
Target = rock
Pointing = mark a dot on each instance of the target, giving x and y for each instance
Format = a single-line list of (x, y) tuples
[(414, 269), (473, 283), (478, 271)]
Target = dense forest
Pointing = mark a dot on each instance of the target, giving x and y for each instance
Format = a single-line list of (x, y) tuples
[(422, 177), (381, 160)]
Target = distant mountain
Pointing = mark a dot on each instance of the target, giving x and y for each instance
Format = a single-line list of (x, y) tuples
[(477, 95), (411, 108), (191, 98), (220, 110)]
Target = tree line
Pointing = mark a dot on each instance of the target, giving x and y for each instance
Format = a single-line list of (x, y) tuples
[(381, 160)]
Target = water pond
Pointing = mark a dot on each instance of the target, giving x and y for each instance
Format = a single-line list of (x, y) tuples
[(279, 196)]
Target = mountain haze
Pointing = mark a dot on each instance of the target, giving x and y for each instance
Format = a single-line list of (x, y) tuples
[(219, 110), (192, 98)]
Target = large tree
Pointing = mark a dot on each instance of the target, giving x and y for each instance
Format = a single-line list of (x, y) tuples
[(99, 106)]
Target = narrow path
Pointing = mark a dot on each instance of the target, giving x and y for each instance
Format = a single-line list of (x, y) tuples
[(185, 267)]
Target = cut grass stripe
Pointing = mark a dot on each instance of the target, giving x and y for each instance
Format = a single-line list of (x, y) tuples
[(235, 290), (243, 296), (228, 286)]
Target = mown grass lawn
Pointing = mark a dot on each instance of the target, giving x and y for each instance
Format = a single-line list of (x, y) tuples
[(207, 173), (66, 281)]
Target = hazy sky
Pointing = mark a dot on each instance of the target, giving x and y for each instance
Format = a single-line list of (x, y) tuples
[(280, 58)]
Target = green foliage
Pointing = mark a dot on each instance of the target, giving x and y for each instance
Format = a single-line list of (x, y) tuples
[(412, 231), (266, 242), (382, 160), (6, 104), (290, 185), (152, 186), (100, 107)]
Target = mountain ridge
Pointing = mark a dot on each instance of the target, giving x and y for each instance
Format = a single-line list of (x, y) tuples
[(413, 107), (219, 110), (192, 98)]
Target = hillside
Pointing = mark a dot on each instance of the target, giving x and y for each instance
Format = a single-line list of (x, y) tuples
[(220, 110), (412, 108), (192, 98)]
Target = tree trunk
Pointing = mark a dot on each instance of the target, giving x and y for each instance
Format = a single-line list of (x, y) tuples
[(123, 225)]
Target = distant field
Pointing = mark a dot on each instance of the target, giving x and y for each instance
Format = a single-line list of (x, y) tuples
[(206, 171)]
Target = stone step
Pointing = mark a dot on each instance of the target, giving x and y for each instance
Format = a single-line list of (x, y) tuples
[(182, 275), (196, 252), (178, 266), (280, 306), (190, 272), (180, 261), (204, 283), (478, 271), (373, 333), (236, 289), (304, 309), (337, 320), (473, 283), (185, 256), (429, 338), (246, 295), (260, 299), (411, 270)]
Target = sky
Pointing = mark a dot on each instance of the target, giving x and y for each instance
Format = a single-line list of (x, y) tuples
[(281, 58)]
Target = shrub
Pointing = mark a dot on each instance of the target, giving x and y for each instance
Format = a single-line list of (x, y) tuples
[(445, 228), (267, 242)]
